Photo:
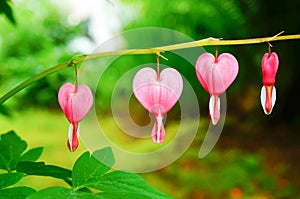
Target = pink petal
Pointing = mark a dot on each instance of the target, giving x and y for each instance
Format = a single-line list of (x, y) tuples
[(75, 104), (64, 94), (269, 63), (157, 95), (82, 102), (216, 77), (203, 68)]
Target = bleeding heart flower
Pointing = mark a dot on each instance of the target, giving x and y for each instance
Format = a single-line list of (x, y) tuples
[(269, 63), (216, 75), (75, 103), (158, 94)]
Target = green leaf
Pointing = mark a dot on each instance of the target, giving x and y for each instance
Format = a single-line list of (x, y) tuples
[(16, 192), (6, 9), (41, 169), (91, 171), (8, 179), (11, 147), (105, 156), (63, 193), (32, 154), (88, 169), (121, 184)]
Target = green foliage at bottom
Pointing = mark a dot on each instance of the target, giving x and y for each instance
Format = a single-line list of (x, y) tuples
[(91, 176)]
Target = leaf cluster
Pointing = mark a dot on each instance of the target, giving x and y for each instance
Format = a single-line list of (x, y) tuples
[(91, 177)]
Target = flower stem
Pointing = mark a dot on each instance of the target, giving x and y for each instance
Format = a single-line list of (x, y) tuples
[(217, 54), (157, 50), (76, 75), (157, 66), (32, 80), (269, 49)]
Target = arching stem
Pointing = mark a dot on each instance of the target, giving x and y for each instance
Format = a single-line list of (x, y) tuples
[(157, 50)]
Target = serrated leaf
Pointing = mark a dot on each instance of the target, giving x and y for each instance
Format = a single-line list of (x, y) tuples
[(11, 147), (16, 192), (125, 185), (63, 193), (88, 169), (32, 154), (8, 179), (41, 169)]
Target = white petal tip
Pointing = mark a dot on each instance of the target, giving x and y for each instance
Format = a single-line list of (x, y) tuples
[(263, 99), (70, 137), (214, 109), (214, 122)]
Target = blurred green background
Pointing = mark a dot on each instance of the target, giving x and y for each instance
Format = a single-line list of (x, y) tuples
[(257, 156)]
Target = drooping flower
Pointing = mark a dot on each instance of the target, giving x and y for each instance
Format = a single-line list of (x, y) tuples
[(216, 74), (269, 63), (75, 102), (158, 94)]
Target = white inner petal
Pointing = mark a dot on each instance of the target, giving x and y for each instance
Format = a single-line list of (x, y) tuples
[(263, 98), (212, 107), (70, 136), (159, 124), (273, 97)]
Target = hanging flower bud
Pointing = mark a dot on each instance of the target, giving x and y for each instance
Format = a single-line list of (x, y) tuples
[(157, 94), (270, 63), (75, 102), (216, 74)]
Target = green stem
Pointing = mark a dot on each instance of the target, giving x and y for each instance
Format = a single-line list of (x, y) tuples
[(204, 42), (157, 67), (32, 80)]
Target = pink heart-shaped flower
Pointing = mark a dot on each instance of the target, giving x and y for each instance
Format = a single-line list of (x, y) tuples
[(75, 103), (158, 94), (269, 64), (216, 77)]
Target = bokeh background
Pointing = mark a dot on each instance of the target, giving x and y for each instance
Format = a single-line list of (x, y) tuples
[(257, 156)]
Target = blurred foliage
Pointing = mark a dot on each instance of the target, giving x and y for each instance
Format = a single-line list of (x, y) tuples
[(197, 18), (226, 174), (5, 8), (39, 41)]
